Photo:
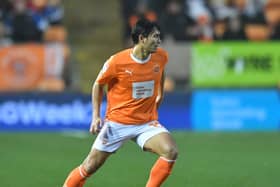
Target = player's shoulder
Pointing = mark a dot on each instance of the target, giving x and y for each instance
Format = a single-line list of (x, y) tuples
[(118, 57), (121, 55), (161, 53)]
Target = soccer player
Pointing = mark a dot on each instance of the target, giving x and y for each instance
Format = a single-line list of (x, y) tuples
[(135, 80)]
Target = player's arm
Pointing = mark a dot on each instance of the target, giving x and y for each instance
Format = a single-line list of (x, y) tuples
[(97, 94), (160, 91), (106, 74)]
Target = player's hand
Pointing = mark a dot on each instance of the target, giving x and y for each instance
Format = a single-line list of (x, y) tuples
[(96, 125)]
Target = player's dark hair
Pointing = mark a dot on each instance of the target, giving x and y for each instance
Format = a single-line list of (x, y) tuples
[(143, 27)]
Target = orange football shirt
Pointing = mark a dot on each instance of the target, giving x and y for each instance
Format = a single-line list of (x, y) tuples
[(132, 86)]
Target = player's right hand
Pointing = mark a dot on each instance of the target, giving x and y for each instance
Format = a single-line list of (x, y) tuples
[(96, 125)]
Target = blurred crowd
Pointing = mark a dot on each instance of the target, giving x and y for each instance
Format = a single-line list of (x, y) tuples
[(31, 21), (207, 20), (40, 22)]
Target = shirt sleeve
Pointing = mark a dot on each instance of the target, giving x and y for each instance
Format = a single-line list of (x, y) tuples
[(164, 56), (108, 72)]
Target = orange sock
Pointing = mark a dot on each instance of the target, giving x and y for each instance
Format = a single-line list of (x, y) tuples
[(160, 171), (76, 178)]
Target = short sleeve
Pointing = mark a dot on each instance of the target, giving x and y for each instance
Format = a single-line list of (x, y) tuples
[(164, 56), (107, 72)]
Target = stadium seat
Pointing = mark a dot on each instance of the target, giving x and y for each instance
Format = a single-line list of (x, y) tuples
[(257, 32), (273, 2), (55, 34), (272, 13), (39, 3), (51, 84), (240, 3), (150, 15)]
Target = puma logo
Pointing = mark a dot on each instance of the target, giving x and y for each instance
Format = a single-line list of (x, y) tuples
[(128, 71)]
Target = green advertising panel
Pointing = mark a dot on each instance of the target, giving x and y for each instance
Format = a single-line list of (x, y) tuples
[(236, 64)]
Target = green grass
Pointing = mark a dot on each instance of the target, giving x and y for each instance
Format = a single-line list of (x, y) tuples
[(205, 160)]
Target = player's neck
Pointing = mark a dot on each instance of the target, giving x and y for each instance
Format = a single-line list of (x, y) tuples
[(140, 53)]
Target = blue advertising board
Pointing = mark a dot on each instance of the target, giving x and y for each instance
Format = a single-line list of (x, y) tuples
[(44, 111), (37, 111), (174, 112), (235, 110)]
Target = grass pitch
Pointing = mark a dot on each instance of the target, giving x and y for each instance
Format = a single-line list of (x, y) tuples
[(205, 160)]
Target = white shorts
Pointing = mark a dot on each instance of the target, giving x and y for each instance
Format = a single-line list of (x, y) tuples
[(113, 135)]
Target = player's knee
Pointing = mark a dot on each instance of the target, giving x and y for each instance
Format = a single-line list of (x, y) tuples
[(91, 164), (170, 152), (94, 161)]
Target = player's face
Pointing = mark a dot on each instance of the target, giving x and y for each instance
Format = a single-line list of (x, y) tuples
[(153, 41)]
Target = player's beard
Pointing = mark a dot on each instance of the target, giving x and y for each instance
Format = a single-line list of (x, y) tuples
[(154, 48)]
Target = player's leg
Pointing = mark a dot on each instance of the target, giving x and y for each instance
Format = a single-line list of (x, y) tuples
[(95, 160), (96, 157), (109, 140), (158, 140), (163, 145), (78, 176)]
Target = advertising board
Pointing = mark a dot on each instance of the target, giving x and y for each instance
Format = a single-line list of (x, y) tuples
[(235, 110), (234, 64), (69, 111)]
